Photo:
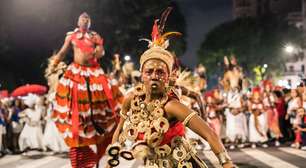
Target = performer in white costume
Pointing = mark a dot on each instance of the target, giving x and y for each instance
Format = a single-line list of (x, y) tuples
[(52, 138), (31, 135), (258, 121), (236, 126)]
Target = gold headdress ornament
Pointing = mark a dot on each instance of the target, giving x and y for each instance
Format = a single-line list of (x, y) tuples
[(159, 43)]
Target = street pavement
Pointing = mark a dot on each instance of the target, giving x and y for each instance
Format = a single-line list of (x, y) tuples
[(282, 157)]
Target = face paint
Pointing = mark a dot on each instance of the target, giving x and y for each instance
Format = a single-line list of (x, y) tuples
[(155, 75), (84, 21)]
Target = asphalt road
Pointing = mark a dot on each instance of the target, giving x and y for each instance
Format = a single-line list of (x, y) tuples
[(283, 157)]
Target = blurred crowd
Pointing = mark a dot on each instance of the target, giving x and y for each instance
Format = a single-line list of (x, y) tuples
[(25, 124)]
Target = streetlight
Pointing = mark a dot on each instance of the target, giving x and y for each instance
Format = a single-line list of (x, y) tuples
[(127, 58), (289, 48), (265, 66)]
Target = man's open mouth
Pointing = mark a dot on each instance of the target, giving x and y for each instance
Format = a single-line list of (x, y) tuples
[(154, 86)]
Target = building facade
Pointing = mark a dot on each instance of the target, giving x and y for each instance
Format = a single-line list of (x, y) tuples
[(256, 8)]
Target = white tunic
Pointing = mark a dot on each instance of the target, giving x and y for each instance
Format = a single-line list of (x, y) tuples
[(292, 107), (52, 138), (31, 135), (254, 135), (236, 125)]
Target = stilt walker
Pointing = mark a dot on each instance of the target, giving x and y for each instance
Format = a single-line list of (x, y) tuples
[(85, 101)]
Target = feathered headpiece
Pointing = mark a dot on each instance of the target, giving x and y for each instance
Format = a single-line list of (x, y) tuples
[(159, 43), (189, 81)]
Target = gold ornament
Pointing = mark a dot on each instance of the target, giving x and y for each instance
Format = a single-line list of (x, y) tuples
[(140, 150), (161, 125), (139, 90), (164, 163), (163, 151), (158, 112), (151, 164), (135, 119), (154, 140), (131, 133), (184, 164), (179, 154), (135, 104), (143, 126)]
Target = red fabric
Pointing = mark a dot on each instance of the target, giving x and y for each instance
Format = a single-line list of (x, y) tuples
[(108, 93), (177, 130), (82, 157), (75, 112), (29, 88), (4, 93), (298, 137), (86, 45), (280, 107), (65, 98), (93, 62)]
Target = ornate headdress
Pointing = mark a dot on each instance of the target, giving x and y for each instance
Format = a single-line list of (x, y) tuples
[(159, 43)]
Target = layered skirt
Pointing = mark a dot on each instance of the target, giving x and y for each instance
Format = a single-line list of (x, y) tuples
[(86, 103)]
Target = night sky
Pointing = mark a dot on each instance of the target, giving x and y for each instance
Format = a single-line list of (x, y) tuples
[(21, 17), (201, 16)]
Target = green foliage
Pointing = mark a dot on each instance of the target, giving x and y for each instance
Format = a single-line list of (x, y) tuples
[(254, 41)]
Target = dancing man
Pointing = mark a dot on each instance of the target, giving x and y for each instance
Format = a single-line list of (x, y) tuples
[(154, 120)]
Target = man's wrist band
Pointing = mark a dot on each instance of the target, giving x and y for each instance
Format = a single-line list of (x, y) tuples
[(224, 158)]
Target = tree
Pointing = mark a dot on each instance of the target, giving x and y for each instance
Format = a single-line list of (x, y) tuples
[(254, 41)]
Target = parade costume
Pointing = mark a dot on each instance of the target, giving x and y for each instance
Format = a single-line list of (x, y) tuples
[(213, 118), (258, 125), (187, 86), (149, 128), (156, 137), (293, 106), (236, 123), (272, 114), (52, 137), (86, 102), (31, 134), (2, 127)]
